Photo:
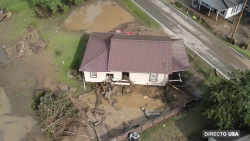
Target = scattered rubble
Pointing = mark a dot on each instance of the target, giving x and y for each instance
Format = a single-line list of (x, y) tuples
[(63, 87), (73, 89)]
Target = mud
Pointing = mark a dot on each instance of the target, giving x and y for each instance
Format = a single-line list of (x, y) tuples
[(102, 16), (28, 44), (129, 110), (12, 128), (3, 56)]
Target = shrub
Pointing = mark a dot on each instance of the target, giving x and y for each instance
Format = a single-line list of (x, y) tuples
[(243, 45), (190, 12), (45, 8), (179, 5), (58, 52)]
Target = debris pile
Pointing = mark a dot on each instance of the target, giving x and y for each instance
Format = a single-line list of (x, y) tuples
[(28, 44)]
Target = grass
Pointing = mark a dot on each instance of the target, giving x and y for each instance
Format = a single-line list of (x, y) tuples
[(69, 43), (72, 49), (199, 66), (244, 52), (185, 126), (140, 13)]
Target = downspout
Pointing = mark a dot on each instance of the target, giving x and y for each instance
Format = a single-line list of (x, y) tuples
[(83, 80)]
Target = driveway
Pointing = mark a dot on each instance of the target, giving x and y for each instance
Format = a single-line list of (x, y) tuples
[(214, 51)]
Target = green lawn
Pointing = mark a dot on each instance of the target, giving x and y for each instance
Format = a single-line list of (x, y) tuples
[(141, 14)]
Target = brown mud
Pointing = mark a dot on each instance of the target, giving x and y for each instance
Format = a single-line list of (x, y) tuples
[(102, 16)]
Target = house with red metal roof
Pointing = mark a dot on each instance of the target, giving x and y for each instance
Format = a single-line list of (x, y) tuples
[(121, 59)]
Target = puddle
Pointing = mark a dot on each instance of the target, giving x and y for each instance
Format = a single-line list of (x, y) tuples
[(103, 16), (12, 128), (130, 109), (3, 56)]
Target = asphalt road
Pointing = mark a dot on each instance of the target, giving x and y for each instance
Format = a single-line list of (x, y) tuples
[(214, 51)]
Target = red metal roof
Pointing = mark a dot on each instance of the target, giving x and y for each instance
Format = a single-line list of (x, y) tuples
[(180, 59), (140, 56), (96, 54), (134, 53)]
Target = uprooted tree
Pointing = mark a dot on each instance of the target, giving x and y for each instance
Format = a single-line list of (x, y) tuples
[(54, 111), (228, 103), (45, 8)]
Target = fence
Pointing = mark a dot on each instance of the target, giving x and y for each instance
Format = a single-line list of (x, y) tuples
[(145, 125)]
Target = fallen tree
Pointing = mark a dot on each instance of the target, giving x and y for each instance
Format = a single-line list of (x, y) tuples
[(54, 111)]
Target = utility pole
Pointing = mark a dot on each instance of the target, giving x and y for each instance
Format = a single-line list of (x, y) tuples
[(239, 19)]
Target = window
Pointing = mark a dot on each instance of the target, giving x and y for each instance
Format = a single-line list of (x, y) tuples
[(153, 77), (93, 74)]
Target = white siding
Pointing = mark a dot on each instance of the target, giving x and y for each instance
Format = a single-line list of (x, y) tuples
[(143, 79), (101, 76), (229, 10)]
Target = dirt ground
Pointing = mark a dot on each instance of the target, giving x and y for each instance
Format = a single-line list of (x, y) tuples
[(224, 27), (124, 110), (26, 65)]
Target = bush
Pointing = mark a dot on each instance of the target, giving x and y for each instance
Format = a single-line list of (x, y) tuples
[(190, 12), (179, 5), (45, 8), (58, 52), (243, 45)]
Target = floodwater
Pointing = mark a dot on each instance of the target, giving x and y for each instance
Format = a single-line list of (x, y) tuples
[(130, 109), (3, 56), (103, 16), (12, 128)]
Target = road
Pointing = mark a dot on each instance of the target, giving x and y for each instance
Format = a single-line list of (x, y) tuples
[(214, 51)]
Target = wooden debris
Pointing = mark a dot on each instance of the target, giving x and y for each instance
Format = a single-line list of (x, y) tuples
[(79, 134)]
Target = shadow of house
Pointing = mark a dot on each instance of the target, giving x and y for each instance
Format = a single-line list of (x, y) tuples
[(79, 52)]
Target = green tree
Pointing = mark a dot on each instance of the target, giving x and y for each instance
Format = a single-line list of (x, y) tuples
[(45, 8), (228, 103)]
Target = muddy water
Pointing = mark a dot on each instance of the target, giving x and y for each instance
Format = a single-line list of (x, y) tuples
[(103, 16), (130, 109), (12, 128), (3, 56)]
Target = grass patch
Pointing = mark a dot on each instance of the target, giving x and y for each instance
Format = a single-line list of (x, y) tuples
[(203, 69), (141, 14), (184, 126), (244, 52), (71, 46)]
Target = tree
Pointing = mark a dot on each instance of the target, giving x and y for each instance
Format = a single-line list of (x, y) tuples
[(228, 103), (45, 8)]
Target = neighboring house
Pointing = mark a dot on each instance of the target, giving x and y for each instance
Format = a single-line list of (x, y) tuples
[(121, 59), (224, 8)]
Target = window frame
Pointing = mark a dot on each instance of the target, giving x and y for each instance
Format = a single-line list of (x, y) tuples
[(92, 76), (155, 78)]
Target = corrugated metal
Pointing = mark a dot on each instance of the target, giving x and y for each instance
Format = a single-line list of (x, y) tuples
[(140, 56), (103, 36), (134, 53), (94, 54), (180, 58), (141, 37), (232, 3)]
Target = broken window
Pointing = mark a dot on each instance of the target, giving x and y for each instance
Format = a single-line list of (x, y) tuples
[(93, 74), (125, 76), (153, 77)]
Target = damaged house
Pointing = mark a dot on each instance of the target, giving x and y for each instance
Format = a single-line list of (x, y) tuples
[(121, 59)]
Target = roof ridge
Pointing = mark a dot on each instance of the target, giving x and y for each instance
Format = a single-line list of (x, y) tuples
[(99, 39), (94, 59), (143, 40)]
